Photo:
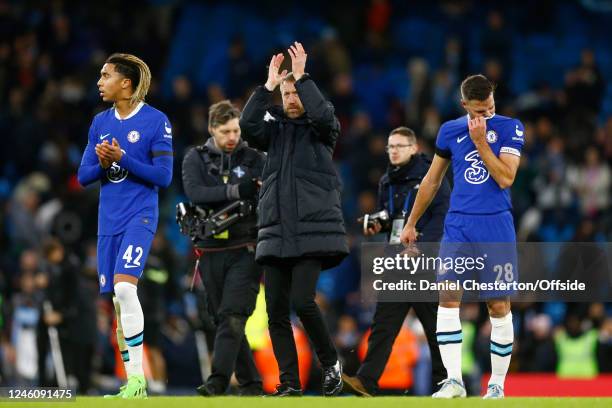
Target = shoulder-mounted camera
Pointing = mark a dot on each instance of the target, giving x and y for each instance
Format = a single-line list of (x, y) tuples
[(200, 223)]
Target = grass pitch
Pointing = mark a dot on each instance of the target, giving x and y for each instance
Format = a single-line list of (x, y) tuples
[(315, 402)]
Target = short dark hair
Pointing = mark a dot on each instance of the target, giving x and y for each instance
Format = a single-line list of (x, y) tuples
[(222, 112), (476, 87), (406, 132)]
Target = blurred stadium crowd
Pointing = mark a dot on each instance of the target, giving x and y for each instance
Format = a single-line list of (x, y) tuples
[(383, 63)]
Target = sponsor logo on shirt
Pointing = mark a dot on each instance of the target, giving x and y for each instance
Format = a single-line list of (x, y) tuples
[(477, 173), (115, 173), (518, 132)]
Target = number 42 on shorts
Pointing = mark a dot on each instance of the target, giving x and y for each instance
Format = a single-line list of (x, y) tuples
[(127, 256)]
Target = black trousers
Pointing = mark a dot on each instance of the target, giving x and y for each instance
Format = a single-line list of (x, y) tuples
[(231, 281), (292, 283), (386, 325)]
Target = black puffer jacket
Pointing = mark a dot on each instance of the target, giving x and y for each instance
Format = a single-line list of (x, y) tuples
[(299, 212), (204, 168)]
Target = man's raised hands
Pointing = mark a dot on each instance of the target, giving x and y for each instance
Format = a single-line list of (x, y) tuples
[(298, 60), (274, 77)]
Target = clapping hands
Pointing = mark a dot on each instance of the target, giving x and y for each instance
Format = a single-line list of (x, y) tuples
[(108, 153), (298, 65)]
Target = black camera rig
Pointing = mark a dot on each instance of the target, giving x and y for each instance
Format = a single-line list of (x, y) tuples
[(200, 223)]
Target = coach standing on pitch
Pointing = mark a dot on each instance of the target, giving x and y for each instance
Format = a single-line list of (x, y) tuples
[(301, 229)]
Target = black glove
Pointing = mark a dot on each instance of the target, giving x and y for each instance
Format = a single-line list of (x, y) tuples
[(247, 189)]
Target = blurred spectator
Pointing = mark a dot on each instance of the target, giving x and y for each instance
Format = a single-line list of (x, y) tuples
[(456, 59), (72, 312), (496, 39), (576, 347), (551, 186), (604, 139), (445, 96), (592, 182), (494, 70), (378, 16), (240, 69), (537, 348), (22, 353), (419, 97), (344, 101), (23, 230), (584, 86)]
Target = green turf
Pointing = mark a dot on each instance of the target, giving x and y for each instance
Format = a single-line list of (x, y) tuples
[(316, 402)]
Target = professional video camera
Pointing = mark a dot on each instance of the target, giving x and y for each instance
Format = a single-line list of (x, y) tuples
[(199, 223), (369, 220)]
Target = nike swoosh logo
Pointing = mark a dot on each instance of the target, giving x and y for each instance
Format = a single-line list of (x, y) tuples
[(126, 266), (102, 137), (460, 139), (168, 129)]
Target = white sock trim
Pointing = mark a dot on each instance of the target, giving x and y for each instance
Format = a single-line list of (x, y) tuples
[(448, 311), (132, 321)]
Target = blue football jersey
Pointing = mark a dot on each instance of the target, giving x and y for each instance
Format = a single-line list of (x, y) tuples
[(474, 190), (129, 188)]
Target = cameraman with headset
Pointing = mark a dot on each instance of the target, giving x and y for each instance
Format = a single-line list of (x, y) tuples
[(396, 193), (221, 172)]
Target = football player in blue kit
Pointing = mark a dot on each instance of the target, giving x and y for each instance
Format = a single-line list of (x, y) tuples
[(129, 150), (484, 150)]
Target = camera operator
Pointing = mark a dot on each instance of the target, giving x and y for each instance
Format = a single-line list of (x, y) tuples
[(225, 169), (396, 193)]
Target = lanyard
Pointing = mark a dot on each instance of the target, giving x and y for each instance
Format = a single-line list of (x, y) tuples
[(406, 202)]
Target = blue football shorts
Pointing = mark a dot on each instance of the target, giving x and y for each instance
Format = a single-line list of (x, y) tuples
[(489, 240), (124, 253)]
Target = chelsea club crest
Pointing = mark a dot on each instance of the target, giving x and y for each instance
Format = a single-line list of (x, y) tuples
[(133, 136), (491, 136)]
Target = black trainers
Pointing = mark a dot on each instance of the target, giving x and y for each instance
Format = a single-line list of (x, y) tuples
[(207, 390), (286, 390), (332, 380), (251, 390)]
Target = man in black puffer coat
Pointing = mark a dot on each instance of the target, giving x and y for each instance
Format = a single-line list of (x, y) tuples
[(301, 228)]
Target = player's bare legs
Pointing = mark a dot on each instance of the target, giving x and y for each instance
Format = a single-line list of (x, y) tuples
[(450, 338), (132, 322), (502, 336)]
